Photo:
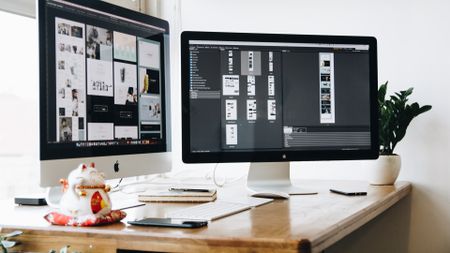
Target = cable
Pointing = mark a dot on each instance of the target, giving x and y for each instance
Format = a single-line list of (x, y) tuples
[(118, 184), (119, 187), (215, 180), (214, 177)]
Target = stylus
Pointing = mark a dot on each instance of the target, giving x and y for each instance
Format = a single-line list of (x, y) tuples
[(188, 190)]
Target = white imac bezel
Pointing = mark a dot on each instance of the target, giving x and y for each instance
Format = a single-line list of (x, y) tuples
[(128, 166)]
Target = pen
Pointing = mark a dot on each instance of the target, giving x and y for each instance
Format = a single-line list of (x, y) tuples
[(188, 189)]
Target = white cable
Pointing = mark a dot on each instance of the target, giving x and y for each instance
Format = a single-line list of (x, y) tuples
[(214, 177), (153, 179), (225, 181), (137, 181)]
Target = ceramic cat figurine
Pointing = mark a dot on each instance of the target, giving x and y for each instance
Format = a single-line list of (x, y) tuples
[(85, 193)]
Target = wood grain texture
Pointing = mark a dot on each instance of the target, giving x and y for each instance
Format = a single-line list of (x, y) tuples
[(308, 223)]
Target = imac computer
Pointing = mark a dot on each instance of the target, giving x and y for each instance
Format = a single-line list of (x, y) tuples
[(104, 90), (270, 98)]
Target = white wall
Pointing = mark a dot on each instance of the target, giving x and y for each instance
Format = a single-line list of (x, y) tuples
[(413, 40)]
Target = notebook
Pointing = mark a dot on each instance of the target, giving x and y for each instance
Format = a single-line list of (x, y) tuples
[(206, 195)]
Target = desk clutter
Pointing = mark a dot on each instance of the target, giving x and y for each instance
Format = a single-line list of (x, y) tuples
[(86, 201), (213, 210), (301, 222)]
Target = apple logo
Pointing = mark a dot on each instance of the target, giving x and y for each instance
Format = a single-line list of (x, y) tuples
[(116, 166)]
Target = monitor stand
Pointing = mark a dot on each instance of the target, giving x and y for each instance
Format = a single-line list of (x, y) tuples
[(272, 177)]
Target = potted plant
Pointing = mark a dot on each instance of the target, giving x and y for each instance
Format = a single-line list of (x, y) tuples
[(395, 114)]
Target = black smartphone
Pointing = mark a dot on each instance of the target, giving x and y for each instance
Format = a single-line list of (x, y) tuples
[(349, 193), (168, 222)]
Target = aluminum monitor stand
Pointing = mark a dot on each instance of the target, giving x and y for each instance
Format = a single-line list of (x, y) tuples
[(273, 177)]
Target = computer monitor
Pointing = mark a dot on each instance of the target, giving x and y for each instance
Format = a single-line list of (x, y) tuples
[(104, 90), (273, 98)]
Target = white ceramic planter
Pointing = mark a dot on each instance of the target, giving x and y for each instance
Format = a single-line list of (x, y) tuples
[(385, 170)]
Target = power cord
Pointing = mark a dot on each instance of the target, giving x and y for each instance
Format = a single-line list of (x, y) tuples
[(120, 186), (225, 181), (220, 185), (117, 185)]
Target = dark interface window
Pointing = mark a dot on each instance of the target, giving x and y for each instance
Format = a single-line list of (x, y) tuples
[(278, 96), (104, 81)]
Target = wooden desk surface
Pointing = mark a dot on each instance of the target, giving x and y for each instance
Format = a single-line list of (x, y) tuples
[(301, 224)]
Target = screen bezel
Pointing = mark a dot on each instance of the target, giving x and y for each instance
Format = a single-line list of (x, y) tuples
[(51, 151), (276, 156)]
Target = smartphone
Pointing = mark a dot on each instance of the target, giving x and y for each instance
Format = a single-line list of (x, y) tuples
[(168, 222), (349, 193)]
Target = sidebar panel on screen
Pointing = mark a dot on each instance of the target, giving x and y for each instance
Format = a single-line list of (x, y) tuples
[(205, 98)]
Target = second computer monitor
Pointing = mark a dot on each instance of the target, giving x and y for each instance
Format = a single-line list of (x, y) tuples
[(272, 97)]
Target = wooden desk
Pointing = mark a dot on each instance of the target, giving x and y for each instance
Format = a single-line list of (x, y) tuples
[(301, 224)]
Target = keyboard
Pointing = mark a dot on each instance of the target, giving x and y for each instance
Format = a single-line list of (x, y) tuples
[(209, 211)]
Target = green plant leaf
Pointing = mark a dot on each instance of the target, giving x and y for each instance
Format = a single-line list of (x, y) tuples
[(382, 92), (408, 91), (395, 115), (425, 108)]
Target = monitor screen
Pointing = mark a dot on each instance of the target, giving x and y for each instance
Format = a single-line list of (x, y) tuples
[(102, 80), (259, 97)]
